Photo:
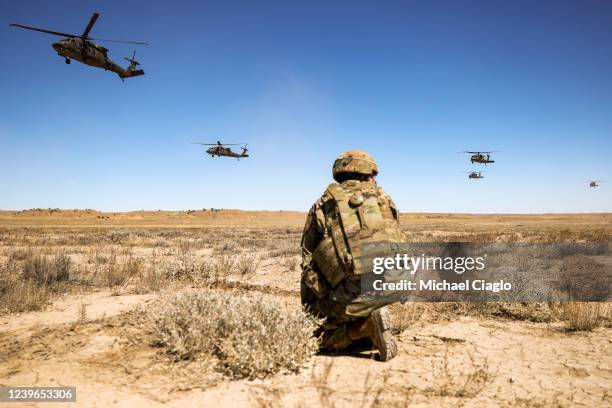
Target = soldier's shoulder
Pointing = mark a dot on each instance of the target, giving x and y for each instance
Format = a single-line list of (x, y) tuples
[(328, 193), (382, 192)]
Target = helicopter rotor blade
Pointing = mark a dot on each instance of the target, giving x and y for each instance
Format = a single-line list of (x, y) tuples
[(42, 30), (58, 33), (117, 41), (219, 144), (90, 25), (215, 144)]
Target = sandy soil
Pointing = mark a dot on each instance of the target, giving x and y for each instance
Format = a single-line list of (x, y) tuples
[(460, 361)]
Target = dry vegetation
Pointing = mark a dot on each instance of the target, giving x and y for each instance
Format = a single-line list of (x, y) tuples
[(226, 302), (242, 335)]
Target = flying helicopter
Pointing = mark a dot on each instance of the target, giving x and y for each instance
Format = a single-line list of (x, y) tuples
[(81, 48), (481, 157), (475, 175), (593, 183), (219, 149)]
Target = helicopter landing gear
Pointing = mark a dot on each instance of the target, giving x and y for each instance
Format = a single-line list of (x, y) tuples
[(67, 60)]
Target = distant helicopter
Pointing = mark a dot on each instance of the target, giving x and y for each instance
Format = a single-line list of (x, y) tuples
[(82, 48), (475, 175), (480, 157), (219, 149), (593, 183)]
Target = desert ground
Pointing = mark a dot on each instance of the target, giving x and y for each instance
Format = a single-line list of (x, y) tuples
[(126, 307)]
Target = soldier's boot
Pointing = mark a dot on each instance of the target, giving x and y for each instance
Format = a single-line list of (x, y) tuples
[(380, 329), (377, 328)]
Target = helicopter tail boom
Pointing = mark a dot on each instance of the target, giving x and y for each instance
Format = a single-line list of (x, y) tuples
[(132, 73)]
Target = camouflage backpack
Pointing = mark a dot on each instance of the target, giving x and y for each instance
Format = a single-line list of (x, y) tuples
[(356, 213)]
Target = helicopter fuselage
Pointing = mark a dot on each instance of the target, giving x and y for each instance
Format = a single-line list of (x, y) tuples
[(224, 151), (481, 158), (92, 54), (475, 176)]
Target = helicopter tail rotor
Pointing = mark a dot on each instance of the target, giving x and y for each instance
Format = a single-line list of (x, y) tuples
[(245, 151), (132, 61), (131, 71)]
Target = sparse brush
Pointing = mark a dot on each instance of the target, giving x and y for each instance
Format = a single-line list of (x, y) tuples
[(18, 296), (224, 265), (44, 271), (81, 315), (247, 264), (403, 316), (321, 381), (584, 316), (249, 335), (291, 262), (284, 250), (116, 274), (150, 280), (461, 380)]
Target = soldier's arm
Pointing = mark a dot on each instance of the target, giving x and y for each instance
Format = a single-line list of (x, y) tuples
[(314, 230), (386, 197)]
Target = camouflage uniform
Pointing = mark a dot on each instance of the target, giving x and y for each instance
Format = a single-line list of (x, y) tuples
[(350, 213)]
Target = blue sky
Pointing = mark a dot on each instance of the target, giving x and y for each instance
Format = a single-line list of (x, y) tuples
[(411, 82)]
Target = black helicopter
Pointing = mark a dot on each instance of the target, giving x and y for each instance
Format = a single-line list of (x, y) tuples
[(593, 183), (475, 175), (219, 149), (81, 48), (480, 157)]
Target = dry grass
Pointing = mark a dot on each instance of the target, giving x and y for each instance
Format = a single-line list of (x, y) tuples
[(28, 279), (243, 335), (291, 262), (44, 271), (584, 316), (118, 274), (459, 380), (247, 264)]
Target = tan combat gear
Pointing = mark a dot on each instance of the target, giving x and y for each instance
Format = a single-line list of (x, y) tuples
[(356, 213), (355, 161), (347, 216)]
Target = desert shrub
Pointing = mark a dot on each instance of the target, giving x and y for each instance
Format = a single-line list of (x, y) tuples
[(16, 294), (405, 315), (249, 335), (118, 237), (247, 264), (119, 274), (291, 262), (538, 312), (284, 250), (184, 264), (223, 265), (584, 316), (150, 280), (22, 296), (459, 379), (45, 271), (226, 247)]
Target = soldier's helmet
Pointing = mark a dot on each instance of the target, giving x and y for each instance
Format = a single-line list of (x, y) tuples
[(354, 162)]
